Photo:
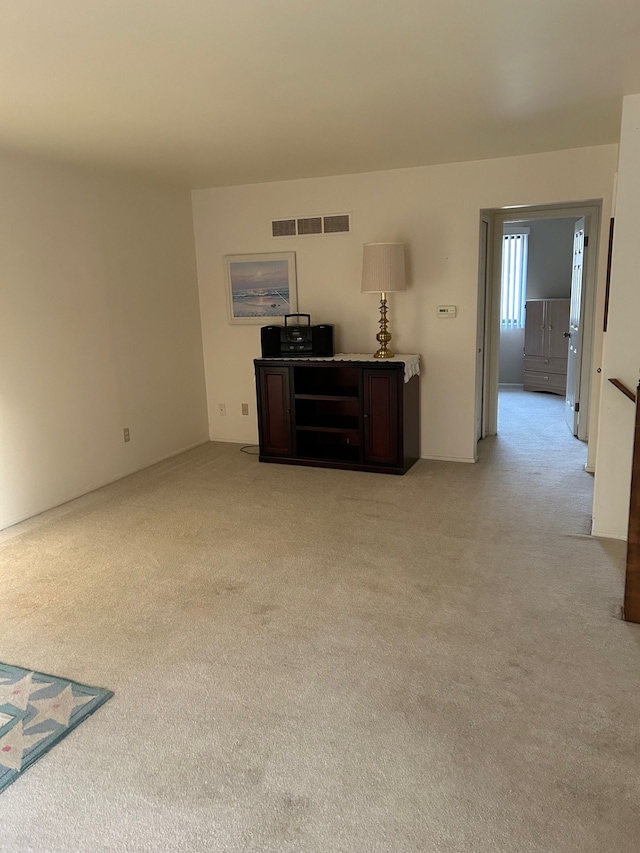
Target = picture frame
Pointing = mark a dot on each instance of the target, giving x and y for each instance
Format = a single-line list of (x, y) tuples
[(261, 288)]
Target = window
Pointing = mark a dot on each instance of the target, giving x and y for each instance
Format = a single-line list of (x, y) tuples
[(515, 242)]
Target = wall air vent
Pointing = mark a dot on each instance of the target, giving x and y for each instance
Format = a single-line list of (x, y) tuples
[(283, 228), (310, 225), (304, 226), (340, 224)]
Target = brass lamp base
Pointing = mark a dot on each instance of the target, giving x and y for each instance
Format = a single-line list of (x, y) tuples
[(384, 353), (384, 336)]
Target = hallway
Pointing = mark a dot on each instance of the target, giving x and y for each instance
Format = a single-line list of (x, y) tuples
[(534, 438)]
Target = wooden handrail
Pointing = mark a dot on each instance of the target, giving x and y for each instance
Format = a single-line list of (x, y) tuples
[(625, 390), (631, 609)]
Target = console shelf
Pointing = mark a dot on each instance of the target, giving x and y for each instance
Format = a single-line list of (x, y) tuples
[(323, 428), (360, 415), (326, 397)]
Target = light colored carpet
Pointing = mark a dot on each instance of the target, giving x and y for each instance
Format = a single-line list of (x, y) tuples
[(319, 661)]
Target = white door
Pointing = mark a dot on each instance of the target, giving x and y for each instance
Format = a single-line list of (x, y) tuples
[(572, 408)]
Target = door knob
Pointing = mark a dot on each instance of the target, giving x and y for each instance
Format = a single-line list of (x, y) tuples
[(566, 334)]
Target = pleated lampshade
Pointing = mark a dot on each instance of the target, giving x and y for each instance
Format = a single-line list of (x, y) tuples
[(383, 269)]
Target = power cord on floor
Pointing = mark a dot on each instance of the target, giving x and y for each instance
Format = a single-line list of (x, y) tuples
[(251, 449)]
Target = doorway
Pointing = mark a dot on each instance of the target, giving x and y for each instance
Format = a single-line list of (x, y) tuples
[(496, 361)]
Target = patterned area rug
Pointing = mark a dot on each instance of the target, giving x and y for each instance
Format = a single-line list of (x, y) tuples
[(37, 711)]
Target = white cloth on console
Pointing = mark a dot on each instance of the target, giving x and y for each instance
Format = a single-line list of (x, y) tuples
[(411, 362)]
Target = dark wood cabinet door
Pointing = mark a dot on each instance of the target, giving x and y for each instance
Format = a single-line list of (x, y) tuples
[(274, 395), (381, 416)]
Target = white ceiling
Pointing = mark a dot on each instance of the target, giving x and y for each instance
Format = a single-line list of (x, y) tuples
[(211, 92)]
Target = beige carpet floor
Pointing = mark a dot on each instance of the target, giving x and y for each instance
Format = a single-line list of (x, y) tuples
[(316, 661)]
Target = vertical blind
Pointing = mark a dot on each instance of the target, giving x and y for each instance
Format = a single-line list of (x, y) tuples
[(514, 280)]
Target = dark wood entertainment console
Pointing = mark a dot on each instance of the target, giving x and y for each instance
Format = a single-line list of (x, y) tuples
[(337, 413)]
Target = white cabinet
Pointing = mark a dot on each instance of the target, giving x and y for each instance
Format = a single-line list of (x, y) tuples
[(546, 344)]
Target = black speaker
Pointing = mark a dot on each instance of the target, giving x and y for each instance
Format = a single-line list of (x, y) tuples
[(322, 339), (270, 340)]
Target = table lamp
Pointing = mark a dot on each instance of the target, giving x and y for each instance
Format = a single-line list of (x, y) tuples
[(382, 272)]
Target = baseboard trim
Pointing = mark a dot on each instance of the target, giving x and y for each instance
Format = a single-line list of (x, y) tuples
[(608, 534), (471, 459), (235, 441)]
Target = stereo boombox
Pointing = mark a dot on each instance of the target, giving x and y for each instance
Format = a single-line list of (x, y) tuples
[(291, 340)]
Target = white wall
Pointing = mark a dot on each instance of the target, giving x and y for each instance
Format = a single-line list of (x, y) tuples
[(621, 351), (512, 356), (99, 329), (550, 258), (435, 211)]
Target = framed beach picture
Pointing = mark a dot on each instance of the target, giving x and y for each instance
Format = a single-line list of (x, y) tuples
[(261, 287)]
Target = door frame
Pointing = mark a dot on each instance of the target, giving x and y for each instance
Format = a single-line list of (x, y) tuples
[(489, 287), (481, 350)]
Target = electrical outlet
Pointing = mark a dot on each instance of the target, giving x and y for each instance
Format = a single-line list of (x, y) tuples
[(222, 408), (127, 435), (245, 408)]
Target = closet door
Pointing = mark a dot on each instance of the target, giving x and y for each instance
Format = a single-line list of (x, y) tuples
[(557, 324), (534, 328)]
